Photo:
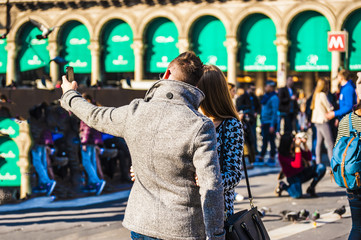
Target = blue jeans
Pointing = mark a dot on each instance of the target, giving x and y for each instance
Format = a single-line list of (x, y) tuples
[(40, 164), (315, 172), (354, 198), (268, 137), (90, 164), (137, 236)]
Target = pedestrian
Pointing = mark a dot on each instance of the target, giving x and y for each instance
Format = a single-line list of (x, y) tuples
[(40, 152), (347, 97), (170, 142), (218, 106), (269, 118), (320, 106), (249, 104), (288, 106), (353, 196), (295, 163)]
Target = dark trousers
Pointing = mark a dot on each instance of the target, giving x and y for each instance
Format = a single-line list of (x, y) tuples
[(268, 137), (289, 122), (354, 198), (137, 236), (315, 172)]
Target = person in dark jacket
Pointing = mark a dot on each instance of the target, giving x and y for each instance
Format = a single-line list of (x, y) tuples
[(288, 105), (347, 97)]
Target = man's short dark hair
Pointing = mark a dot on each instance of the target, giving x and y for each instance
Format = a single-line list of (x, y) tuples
[(190, 67)]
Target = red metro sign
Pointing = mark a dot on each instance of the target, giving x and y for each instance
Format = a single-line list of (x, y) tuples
[(337, 41)]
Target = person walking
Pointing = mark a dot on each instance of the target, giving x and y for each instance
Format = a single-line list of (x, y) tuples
[(170, 143), (269, 117), (353, 196), (218, 106), (288, 106), (347, 97), (320, 106), (295, 163)]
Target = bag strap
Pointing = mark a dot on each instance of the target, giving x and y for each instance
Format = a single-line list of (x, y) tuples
[(352, 130), (243, 162)]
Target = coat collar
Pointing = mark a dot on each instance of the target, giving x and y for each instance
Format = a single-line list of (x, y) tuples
[(177, 91)]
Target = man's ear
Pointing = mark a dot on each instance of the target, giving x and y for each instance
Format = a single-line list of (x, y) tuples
[(166, 74)]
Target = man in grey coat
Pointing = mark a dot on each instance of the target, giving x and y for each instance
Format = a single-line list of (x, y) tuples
[(170, 143)]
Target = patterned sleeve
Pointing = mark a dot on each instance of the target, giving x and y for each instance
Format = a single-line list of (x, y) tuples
[(233, 153)]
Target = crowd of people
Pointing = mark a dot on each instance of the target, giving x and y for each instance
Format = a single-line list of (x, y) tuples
[(187, 138)]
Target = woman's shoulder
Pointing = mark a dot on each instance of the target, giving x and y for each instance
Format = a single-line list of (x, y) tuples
[(233, 122)]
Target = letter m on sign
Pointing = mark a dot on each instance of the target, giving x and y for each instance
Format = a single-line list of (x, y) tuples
[(337, 41)]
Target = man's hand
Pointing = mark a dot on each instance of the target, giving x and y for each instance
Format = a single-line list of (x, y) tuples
[(330, 115), (271, 130), (66, 85)]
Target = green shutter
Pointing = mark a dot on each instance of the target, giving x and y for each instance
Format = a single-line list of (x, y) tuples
[(353, 26), (33, 52), (75, 41), (161, 41), (257, 52), (208, 40), (118, 54), (3, 56), (9, 154), (308, 51)]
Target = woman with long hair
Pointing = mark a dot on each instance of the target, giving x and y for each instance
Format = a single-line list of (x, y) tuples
[(218, 106), (320, 106)]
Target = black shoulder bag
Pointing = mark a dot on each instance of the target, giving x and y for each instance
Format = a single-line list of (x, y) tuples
[(246, 224)]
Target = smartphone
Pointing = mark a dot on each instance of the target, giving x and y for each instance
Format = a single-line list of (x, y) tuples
[(70, 73)]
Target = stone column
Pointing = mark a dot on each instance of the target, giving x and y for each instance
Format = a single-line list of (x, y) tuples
[(11, 62), (282, 48), (232, 46), (259, 81), (183, 45), (138, 48), (335, 64), (95, 54), (54, 67)]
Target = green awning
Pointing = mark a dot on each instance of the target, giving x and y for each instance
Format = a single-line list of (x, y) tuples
[(75, 41), (258, 54), (3, 56), (353, 26), (208, 39), (308, 51), (33, 53), (9, 154), (117, 54), (161, 49)]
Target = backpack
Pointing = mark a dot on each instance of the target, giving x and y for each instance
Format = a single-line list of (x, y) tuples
[(346, 160)]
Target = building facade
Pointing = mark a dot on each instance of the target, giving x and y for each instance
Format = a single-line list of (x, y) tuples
[(107, 40)]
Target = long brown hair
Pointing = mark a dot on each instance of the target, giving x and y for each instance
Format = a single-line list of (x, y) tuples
[(217, 103), (321, 86)]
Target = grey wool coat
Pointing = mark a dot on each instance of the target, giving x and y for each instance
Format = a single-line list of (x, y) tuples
[(170, 142)]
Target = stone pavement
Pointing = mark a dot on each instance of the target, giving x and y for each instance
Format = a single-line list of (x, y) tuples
[(100, 217)]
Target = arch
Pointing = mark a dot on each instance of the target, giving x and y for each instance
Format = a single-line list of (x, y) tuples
[(308, 51), (310, 6), (268, 11), (75, 40), (161, 38), (21, 23), (197, 14), (106, 18), (257, 54), (208, 38), (152, 15), (63, 19), (352, 25), (116, 39), (342, 17)]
